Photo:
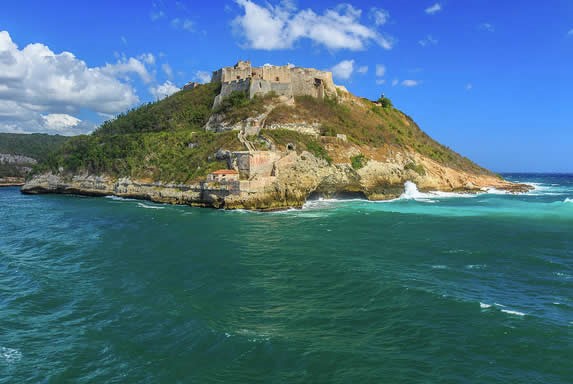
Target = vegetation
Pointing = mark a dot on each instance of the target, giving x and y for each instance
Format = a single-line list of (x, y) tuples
[(418, 168), (283, 137), (358, 161), (158, 141), (184, 110), (166, 141), (377, 127), (35, 145)]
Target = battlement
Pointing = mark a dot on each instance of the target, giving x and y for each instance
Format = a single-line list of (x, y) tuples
[(285, 80)]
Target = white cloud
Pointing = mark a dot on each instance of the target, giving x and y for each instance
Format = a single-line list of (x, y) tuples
[(38, 87), (125, 67), (362, 69), (203, 76), (124, 40), (570, 33), (147, 58), (380, 81), (433, 9), (163, 90), (184, 24), (486, 27), (60, 121), (395, 82), (380, 70), (428, 40), (343, 70), (167, 70), (380, 16), (271, 27), (410, 83), (469, 86)]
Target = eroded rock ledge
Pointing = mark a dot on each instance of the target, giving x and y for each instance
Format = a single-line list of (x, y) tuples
[(289, 183)]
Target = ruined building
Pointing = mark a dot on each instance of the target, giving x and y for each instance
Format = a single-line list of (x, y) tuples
[(283, 80)]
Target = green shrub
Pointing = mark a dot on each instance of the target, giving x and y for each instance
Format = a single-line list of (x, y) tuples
[(358, 161), (418, 168)]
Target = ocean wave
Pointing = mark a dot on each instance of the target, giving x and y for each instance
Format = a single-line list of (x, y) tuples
[(568, 200), (511, 312), (484, 305), (118, 198), (10, 355), (411, 192), (148, 206)]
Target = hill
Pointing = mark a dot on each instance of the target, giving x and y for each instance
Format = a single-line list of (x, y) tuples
[(19, 152), (282, 149)]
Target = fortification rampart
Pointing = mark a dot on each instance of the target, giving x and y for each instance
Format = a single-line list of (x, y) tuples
[(283, 80)]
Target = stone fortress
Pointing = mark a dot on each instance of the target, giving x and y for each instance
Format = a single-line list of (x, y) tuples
[(254, 170), (285, 80)]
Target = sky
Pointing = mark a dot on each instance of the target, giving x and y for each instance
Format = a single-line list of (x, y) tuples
[(491, 79)]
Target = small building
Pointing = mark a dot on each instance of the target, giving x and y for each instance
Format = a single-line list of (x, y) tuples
[(223, 175)]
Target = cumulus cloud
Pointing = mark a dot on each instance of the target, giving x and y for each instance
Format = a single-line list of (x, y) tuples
[(161, 91), (433, 9), (343, 70), (203, 76), (41, 90), (410, 83), (380, 81), (167, 70), (380, 70), (428, 40), (380, 16), (269, 27), (486, 27), (363, 69)]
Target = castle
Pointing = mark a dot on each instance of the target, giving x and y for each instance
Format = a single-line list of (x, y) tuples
[(285, 80)]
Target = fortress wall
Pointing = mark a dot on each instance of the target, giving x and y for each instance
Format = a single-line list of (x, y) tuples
[(232, 73), (276, 74), (217, 76), (304, 83), (263, 87), (228, 88), (258, 163)]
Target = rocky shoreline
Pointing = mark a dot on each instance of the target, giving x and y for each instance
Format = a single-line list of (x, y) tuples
[(296, 177)]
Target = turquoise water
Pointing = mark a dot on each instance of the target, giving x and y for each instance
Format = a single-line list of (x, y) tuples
[(428, 288)]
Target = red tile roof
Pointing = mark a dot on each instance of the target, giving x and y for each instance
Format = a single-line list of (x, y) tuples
[(225, 172)]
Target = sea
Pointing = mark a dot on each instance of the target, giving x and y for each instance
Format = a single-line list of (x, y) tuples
[(427, 288)]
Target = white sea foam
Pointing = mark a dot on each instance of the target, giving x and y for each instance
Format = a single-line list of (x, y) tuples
[(148, 206), (494, 191), (484, 305), (510, 312), (439, 266), (568, 200), (10, 355), (411, 192), (117, 198), (476, 266)]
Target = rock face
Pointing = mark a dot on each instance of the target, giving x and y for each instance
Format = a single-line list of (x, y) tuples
[(293, 179)]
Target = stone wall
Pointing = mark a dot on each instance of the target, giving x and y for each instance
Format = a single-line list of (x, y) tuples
[(283, 80), (254, 164)]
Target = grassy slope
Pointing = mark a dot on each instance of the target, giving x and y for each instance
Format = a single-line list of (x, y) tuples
[(159, 141), (374, 126), (165, 140), (37, 146)]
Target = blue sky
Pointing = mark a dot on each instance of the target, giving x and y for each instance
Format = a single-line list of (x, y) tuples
[(491, 79)]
